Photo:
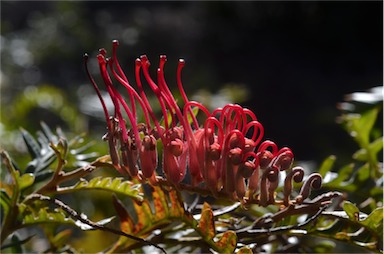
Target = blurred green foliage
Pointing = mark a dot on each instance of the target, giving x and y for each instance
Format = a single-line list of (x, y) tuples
[(42, 80), (74, 171)]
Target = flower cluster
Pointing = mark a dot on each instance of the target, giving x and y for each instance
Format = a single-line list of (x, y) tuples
[(221, 150)]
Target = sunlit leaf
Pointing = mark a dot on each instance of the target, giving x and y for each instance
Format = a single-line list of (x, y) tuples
[(351, 210), (26, 180), (115, 185), (375, 220), (45, 216), (366, 122)]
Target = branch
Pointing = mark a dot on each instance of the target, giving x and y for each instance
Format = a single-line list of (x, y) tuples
[(61, 176), (82, 218)]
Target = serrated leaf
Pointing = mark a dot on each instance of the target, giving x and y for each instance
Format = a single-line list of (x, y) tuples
[(351, 210), (126, 222), (26, 180), (177, 208), (160, 202), (45, 216), (327, 165), (144, 215), (115, 185), (227, 242), (207, 223)]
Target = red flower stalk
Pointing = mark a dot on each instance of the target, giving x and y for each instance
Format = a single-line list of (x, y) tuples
[(222, 152)]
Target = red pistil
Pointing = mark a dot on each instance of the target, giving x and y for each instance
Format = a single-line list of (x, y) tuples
[(222, 151)]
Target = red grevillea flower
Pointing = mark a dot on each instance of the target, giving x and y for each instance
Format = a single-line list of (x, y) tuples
[(222, 152)]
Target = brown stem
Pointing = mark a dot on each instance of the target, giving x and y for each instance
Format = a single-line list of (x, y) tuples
[(80, 217)]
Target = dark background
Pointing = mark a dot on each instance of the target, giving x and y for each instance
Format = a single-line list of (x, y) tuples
[(297, 59)]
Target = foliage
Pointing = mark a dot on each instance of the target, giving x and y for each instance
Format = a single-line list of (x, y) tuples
[(163, 216)]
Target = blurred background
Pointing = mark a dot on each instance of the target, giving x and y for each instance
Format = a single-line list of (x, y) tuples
[(289, 62)]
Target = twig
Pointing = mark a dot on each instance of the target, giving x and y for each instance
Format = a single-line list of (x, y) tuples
[(80, 217), (250, 232)]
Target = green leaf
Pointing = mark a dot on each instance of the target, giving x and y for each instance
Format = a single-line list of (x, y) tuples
[(360, 126), (195, 111), (26, 180), (363, 173), (344, 173), (115, 185), (375, 220), (5, 201), (351, 210), (327, 165), (375, 147), (44, 216), (366, 122), (62, 238), (207, 223)]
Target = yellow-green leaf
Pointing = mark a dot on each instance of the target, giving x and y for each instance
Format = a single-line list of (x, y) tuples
[(25, 180), (116, 185), (351, 210)]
